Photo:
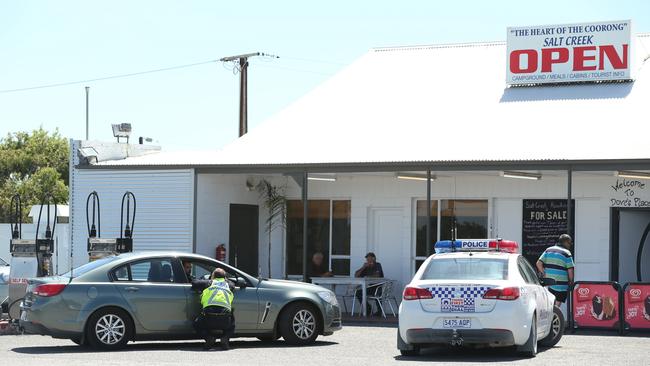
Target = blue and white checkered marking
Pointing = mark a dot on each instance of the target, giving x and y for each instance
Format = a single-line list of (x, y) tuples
[(462, 292)]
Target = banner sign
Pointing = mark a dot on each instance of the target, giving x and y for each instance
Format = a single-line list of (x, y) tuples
[(637, 305), (544, 220), (596, 305), (569, 53)]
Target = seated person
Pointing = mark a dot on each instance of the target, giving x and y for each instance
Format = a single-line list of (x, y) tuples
[(317, 268), (187, 267), (371, 268)]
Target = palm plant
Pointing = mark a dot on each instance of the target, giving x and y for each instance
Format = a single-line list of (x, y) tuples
[(275, 203)]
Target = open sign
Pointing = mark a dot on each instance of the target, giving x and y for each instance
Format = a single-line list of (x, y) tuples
[(569, 53)]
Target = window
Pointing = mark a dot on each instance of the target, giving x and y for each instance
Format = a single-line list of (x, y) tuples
[(468, 217), (466, 269), (421, 231), (89, 267), (150, 270), (328, 232), (201, 270), (527, 272)]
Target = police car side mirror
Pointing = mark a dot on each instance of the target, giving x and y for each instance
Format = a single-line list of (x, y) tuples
[(546, 281), (241, 282)]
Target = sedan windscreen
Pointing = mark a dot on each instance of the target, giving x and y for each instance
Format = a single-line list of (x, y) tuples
[(466, 269), (89, 267)]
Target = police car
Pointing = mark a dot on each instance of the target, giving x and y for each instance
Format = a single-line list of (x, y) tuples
[(478, 293)]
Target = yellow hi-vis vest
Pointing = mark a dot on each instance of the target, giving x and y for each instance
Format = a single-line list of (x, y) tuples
[(218, 294)]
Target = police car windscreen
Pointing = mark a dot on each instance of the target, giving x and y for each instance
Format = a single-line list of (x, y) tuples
[(466, 269)]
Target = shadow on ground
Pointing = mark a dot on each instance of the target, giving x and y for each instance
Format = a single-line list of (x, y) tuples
[(461, 354), (163, 346)]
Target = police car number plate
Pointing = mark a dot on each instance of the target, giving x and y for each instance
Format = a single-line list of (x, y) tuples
[(457, 323)]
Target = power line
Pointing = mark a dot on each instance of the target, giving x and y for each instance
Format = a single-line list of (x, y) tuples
[(121, 76), (118, 76)]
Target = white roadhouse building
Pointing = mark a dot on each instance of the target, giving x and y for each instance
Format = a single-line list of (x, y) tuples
[(504, 161)]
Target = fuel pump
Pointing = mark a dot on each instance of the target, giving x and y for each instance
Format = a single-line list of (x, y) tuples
[(99, 247), (29, 258)]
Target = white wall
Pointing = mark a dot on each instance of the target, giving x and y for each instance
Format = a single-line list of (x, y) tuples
[(593, 194), (165, 208), (215, 193)]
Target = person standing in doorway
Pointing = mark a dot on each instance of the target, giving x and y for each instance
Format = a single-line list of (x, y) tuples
[(557, 263), (371, 268)]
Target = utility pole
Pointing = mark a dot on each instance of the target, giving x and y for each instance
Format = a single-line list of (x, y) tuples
[(242, 67), (87, 124)]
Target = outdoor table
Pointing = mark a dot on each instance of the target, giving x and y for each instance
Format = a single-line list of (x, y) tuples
[(364, 282)]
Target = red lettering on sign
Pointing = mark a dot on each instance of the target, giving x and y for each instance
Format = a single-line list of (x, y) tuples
[(579, 58), (616, 61), (562, 55), (548, 60), (515, 61)]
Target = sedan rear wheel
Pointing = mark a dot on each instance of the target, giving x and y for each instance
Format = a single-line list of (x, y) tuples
[(109, 329), (299, 324)]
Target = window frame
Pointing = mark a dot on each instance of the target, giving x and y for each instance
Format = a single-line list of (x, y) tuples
[(414, 212), (331, 226), (526, 267), (172, 260), (215, 264)]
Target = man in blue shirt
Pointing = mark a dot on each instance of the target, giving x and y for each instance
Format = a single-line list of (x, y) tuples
[(557, 263)]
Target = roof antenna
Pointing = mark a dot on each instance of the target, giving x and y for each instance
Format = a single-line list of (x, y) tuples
[(454, 232)]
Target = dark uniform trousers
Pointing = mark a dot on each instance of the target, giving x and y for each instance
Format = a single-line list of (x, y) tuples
[(215, 321)]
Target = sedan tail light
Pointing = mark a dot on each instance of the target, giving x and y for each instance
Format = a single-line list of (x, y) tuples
[(416, 293), (502, 293), (49, 289)]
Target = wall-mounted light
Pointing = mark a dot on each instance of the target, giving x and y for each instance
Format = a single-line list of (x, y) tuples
[(322, 177), (521, 175), (411, 176), (632, 175)]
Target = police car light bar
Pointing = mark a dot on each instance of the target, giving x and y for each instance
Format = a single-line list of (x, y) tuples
[(476, 245)]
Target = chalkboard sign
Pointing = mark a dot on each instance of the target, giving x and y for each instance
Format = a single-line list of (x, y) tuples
[(543, 222)]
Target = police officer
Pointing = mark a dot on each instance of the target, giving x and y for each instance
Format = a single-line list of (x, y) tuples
[(217, 313)]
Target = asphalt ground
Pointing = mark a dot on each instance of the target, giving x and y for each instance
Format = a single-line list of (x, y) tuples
[(354, 345)]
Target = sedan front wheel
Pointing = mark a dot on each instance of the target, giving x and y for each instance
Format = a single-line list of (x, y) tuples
[(299, 324)]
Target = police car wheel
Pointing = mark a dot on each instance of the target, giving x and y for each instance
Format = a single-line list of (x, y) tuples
[(299, 324), (406, 349), (109, 329), (410, 353), (557, 329), (530, 348)]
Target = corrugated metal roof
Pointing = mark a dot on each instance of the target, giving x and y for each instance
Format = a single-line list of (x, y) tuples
[(444, 103)]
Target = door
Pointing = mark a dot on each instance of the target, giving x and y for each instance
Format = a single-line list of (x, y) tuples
[(632, 224), (156, 297), (245, 303), (244, 238), (386, 241), (538, 294)]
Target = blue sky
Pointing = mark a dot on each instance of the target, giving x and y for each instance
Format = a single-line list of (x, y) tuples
[(45, 42)]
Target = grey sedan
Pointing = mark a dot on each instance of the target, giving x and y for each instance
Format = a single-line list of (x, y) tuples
[(148, 296)]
